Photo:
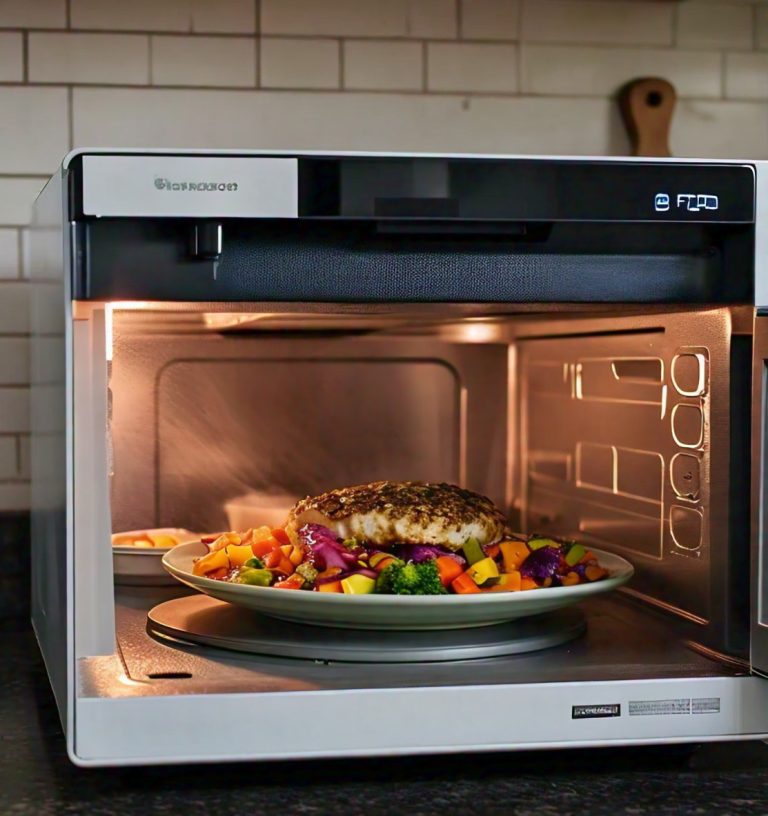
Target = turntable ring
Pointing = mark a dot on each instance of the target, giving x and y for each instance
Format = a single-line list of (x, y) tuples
[(199, 619)]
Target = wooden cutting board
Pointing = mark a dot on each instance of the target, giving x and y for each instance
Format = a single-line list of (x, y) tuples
[(647, 106)]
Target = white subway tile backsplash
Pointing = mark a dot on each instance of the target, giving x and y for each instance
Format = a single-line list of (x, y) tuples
[(8, 457), (490, 19), (298, 63), (34, 131), (564, 69), (223, 61), (132, 15), (14, 410), (14, 496), (431, 18), (33, 13), (224, 16), (383, 65), (119, 59), (14, 308), (336, 18), (746, 76), (714, 25), (23, 460), (16, 197), (706, 129), (9, 253), (345, 121), (14, 359), (470, 67), (11, 57), (597, 21)]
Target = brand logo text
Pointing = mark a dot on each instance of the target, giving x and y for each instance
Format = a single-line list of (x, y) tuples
[(196, 186), (690, 202)]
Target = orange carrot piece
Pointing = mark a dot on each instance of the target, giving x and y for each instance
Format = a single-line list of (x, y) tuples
[(464, 584), (294, 581), (448, 569), (280, 534), (571, 579), (384, 563), (262, 548), (513, 554), (528, 583), (331, 586), (595, 573)]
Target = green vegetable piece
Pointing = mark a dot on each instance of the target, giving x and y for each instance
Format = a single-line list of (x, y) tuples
[(473, 551), (254, 563), (254, 577), (575, 554), (410, 579), (307, 572), (538, 543)]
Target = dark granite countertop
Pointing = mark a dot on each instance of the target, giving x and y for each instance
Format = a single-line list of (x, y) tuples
[(37, 778)]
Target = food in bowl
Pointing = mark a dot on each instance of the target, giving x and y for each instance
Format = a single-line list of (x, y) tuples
[(158, 539), (397, 538)]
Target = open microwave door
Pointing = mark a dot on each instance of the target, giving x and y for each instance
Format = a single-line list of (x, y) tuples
[(759, 583)]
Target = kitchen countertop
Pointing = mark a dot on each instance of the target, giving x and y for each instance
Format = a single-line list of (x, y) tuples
[(37, 777)]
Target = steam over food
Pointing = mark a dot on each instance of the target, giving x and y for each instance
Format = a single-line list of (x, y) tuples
[(397, 538)]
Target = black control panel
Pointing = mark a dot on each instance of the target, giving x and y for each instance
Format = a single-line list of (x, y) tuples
[(524, 190)]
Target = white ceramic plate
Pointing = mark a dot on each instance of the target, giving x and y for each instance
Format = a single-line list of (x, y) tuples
[(393, 611), (143, 566)]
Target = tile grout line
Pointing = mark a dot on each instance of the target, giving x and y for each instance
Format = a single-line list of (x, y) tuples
[(20, 253), (257, 41), (25, 57), (71, 116), (342, 65)]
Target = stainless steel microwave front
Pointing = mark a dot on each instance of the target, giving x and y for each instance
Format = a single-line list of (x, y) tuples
[(574, 338)]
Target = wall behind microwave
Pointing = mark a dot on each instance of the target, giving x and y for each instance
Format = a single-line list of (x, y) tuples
[(527, 76)]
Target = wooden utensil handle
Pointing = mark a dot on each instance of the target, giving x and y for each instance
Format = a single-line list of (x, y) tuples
[(647, 106)]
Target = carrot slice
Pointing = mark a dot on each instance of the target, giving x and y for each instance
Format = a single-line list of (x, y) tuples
[(280, 534), (262, 548), (292, 582), (448, 569), (464, 584)]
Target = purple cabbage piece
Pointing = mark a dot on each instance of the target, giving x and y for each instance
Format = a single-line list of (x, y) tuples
[(541, 564), (423, 552), (326, 550)]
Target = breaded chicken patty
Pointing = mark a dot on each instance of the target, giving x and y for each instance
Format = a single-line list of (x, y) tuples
[(386, 513)]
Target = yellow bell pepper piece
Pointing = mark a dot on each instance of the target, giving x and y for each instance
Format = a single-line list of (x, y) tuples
[(238, 554), (358, 585), (213, 561), (483, 570)]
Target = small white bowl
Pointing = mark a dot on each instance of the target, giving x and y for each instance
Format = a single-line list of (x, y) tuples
[(142, 566)]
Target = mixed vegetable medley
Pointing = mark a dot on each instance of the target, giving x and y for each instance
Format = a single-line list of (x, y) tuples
[(319, 561)]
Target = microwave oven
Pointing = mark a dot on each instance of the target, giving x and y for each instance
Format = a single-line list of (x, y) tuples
[(582, 340)]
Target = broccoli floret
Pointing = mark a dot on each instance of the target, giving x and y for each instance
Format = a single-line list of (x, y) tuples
[(410, 579)]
